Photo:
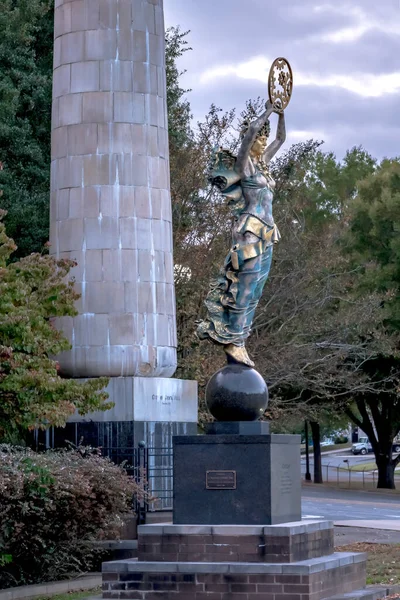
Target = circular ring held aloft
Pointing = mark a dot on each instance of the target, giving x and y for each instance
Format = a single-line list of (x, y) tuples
[(280, 84)]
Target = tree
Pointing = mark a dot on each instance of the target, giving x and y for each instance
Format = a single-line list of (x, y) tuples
[(179, 115), (298, 330), (328, 334), (33, 291), (26, 55), (373, 242)]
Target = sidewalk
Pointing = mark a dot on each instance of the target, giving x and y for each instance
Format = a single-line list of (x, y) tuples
[(389, 525)]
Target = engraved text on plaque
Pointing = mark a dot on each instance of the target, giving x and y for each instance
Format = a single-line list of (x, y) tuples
[(221, 480)]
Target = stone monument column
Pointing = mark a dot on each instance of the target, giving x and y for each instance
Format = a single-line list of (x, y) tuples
[(111, 213), (110, 192)]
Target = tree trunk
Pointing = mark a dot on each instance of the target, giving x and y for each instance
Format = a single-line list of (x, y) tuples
[(385, 473), (316, 437)]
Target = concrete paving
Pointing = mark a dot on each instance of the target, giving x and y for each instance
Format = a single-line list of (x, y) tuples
[(389, 525), (344, 505)]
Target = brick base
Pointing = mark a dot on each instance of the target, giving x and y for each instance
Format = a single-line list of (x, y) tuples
[(305, 580), (271, 544)]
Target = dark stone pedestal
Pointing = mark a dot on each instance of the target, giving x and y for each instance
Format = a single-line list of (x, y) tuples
[(237, 428), (237, 479)]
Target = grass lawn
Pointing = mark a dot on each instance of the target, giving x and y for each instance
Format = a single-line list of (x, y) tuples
[(74, 595), (367, 466), (383, 565)]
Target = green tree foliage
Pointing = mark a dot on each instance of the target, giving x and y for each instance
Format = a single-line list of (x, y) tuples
[(328, 336), (374, 237), (33, 291), (179, 114), (26, 55), (26, 51), (373, 242)]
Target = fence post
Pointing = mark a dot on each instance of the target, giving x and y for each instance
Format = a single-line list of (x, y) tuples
[(140, 471)]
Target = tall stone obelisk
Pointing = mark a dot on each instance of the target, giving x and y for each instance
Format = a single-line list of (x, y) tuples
[(110, 199)]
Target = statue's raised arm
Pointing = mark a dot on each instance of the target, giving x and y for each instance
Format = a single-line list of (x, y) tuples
[(279, 140), (255, 130)]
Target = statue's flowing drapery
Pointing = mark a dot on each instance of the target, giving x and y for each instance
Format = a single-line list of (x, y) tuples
[(235, 293)]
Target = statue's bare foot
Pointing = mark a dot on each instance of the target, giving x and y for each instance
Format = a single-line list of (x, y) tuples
[(238, 354)]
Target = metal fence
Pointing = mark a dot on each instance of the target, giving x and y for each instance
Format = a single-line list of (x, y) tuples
[(345, 475), (153, 469)]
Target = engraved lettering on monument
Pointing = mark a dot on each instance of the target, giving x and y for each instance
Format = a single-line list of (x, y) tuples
[(166, 399), (286, 480), (221, 480)]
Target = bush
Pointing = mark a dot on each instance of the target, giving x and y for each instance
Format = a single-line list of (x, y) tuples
[(341, 439), (52, 505)]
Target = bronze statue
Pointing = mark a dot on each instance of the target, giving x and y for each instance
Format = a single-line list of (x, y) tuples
[(246, 182)]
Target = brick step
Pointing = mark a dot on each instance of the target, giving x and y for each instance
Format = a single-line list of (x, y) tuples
[(313, 579), (283, 543)]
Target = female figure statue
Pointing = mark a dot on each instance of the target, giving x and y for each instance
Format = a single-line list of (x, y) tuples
[(247, 183)]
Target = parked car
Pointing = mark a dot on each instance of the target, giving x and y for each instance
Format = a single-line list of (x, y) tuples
[(327, 442), (362, 446)]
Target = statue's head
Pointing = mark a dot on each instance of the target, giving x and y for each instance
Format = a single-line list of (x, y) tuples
[(261, 141), (260, 145)]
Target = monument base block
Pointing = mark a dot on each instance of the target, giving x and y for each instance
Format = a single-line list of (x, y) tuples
[(291, 562), (236, 479), (146, 409)]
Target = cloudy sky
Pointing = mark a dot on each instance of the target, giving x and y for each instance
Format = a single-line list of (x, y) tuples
[(345, 56)]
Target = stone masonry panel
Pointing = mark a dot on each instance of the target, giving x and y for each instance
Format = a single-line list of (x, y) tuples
[(110, 192)]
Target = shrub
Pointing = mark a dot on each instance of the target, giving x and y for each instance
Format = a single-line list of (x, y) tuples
[(52, 505), (341, 439)]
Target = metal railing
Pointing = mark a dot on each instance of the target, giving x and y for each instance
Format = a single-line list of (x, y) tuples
[(343, 475), (152, 468)]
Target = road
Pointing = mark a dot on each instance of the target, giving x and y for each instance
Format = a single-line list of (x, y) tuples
[(342, 505)]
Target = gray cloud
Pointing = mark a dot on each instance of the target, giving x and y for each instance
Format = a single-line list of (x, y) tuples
[(229, 32)]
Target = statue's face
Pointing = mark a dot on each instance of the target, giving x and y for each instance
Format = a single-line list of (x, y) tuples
[(260, 145)]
